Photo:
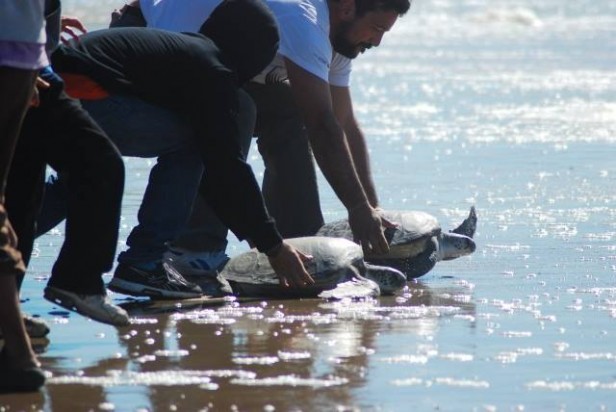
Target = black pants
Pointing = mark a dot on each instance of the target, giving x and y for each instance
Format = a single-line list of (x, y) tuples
[(61, 134)]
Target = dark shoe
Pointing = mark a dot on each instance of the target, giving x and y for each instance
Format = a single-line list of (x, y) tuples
[(19, 380), (97, 307), (35, 328), (206, 263), (163, 282)]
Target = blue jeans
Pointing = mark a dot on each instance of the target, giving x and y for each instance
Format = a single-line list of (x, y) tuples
[(140, 129)]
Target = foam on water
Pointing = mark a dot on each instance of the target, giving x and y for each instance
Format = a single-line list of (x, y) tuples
[(292, 381)]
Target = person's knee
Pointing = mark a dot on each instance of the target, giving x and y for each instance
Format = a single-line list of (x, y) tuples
[(115, 166), (108, 162)]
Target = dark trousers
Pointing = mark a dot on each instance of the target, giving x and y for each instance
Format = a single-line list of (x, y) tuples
[(289, 182), (16, 86), (61, 134)]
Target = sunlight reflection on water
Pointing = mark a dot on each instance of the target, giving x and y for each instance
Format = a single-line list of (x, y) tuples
[(509, 106)]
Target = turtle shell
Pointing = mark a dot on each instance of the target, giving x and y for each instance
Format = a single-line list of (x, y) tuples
[(335, 260), (411, 238)]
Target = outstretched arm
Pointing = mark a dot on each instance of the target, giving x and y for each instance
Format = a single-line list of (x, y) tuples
[(331, 150), (343, 109)]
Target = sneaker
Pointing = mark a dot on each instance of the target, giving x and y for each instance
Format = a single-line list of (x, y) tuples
[(97, 307), (163, 282), (196, 263), (35, 328)]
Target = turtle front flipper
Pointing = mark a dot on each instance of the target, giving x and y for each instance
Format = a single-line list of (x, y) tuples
[(468, 226)]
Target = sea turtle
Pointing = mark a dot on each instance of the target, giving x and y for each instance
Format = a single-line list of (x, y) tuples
[(337, 267), (417, 243)]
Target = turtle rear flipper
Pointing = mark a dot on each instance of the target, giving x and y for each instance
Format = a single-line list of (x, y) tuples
[(468, 226), (390, 280), (355, 288)]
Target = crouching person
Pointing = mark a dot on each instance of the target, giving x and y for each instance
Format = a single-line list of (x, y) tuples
[(198, 78)]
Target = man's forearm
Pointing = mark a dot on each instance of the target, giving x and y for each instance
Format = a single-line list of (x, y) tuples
[(335, 161), (361, 160)]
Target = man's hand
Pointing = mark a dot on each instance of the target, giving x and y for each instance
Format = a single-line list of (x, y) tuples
[(367, 226), (288, 264), (69, 26), (35, 101)]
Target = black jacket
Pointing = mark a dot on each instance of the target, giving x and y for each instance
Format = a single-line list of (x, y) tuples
[(199, 78)]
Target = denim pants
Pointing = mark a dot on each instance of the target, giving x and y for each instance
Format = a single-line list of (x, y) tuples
[(289, 183), (141, 129)]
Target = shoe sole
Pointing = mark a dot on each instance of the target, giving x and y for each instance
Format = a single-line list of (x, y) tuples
[(68, 302), (137, 289)]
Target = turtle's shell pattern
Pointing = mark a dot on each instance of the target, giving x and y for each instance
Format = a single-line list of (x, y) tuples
[(335, 260), (408, 240)]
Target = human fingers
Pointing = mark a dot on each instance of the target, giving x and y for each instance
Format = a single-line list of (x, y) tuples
[(41, 84), (389, 224), (72, 22), (287, 263), (35, 100), (379, 243), (308, 280), (299, 276)]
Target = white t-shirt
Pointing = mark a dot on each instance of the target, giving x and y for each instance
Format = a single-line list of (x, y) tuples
[(303, 26), (180, 15)]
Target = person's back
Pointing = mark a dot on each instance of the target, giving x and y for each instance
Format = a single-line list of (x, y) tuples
[(171, 69)]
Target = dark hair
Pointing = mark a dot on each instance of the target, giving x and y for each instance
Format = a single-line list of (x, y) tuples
[(399, 6)]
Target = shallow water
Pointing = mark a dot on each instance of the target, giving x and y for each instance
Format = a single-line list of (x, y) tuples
[(509, 106)]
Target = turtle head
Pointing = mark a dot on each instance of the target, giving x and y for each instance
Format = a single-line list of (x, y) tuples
[(453, 246)]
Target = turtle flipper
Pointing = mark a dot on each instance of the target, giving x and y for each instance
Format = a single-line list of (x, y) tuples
[(356, 288), (390, 280), (469, 225)]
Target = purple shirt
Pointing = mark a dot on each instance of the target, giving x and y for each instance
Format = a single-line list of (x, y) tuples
[(23, 55)]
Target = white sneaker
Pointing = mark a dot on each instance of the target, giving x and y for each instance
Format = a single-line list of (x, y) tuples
[(196, 263), (97, 307)]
